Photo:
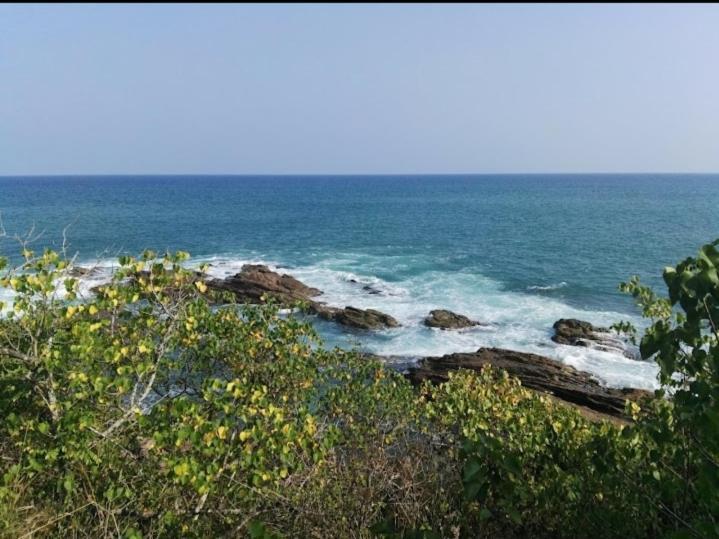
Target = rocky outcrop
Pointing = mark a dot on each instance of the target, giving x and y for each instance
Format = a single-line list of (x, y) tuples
[(255, 281), (535, 372), (443, 319), (364, 319), (367, 287), (371, 290), (354, 317), (575, 332), (82, 271)]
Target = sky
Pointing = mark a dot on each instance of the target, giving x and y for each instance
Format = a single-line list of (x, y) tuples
[(358, 89)]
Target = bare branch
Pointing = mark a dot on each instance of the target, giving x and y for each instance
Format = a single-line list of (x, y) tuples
[(150, 383), (19, 355), (53, 521)]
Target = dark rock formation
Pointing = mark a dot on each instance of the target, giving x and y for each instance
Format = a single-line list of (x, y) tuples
[(367, 288), (535, 372), (364, 319), (575, 332), (81, 271), (354, 317), (371, 290), (443, 319), (255, 281)]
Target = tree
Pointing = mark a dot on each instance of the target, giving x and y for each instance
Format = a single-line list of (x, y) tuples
[(684, 340)]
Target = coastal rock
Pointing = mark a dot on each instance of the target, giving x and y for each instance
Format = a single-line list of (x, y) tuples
[(367, 288), (354, 317), (443, 319), (82, 271), (371, 290), (256, 280), (364, 319), (323, 311), (535, 372), (399, 363), (573, 332)]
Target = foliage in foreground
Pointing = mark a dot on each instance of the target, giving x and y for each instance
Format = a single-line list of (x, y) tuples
[(155, 408)]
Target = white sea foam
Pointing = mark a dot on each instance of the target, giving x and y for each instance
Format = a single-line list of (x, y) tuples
[(6, 298), (100, 273), (548, 287), (514, 320)]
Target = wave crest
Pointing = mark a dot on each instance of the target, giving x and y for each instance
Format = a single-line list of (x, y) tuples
[(548, 287)]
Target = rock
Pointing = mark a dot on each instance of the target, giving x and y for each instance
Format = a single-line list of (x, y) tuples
[(395, 362), (367, 288), (145, 274), (322, 310), (365, 319), (535, 372), (81, 271), (443, 319), (255, 281), (354, 317), (371, 290), (573, 332)]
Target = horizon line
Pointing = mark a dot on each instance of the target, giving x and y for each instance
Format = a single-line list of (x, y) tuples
[(348, 174)]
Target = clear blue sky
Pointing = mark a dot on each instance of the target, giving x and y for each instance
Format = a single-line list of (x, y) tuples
[(358, 88)]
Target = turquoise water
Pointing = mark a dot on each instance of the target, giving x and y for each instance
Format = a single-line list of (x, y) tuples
[(515, 251)]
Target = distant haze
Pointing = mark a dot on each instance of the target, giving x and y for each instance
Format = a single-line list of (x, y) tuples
[(329, 89)]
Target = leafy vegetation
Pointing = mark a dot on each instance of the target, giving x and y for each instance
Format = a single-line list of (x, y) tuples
[(156, 408), (684, 430)]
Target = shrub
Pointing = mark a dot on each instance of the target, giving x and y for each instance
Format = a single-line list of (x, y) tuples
[(534, 467), (682, 433), (155, 407)]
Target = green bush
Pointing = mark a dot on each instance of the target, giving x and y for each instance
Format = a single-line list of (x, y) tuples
[(152, 408), (682, 433), (156, 408), (533, 467)]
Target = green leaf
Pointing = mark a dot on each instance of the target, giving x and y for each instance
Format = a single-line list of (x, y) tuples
[(471, 469), (69, 483), (259, 531)]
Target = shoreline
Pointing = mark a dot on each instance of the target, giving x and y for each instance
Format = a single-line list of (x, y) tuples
[(408, 339)]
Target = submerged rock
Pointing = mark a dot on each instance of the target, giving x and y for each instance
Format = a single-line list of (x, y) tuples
[(367, 287), (256, 280), (371, 290), (443, 319), (536, 372), (573, 332)]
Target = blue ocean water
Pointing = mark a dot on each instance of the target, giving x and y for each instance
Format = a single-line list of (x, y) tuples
[(516, 251)]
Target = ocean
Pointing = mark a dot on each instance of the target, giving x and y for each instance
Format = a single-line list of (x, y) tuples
[(514, 251)]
